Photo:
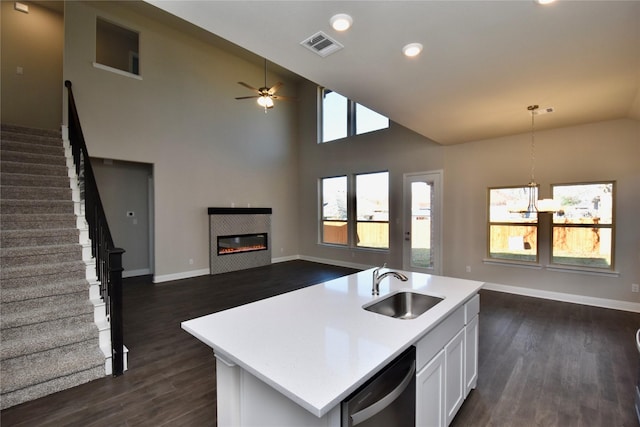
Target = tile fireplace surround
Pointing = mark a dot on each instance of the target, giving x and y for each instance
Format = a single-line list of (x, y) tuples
[(238, 222)]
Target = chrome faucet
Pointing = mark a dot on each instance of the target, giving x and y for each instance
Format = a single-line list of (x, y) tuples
[(377, 278)]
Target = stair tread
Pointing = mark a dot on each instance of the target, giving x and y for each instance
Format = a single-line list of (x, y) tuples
[(45, 336), (38, 310), (35, 250), (21, 372), (15, 292), (50, 341)]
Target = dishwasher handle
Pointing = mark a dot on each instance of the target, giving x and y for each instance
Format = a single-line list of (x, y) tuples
[(380, 405)]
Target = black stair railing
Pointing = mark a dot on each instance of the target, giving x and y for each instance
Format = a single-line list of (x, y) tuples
[(108, 257)]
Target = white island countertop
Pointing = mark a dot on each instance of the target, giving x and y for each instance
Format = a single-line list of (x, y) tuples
[(317, 345)]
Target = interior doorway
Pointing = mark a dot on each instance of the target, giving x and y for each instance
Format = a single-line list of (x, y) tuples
[(422, 223), (126, 191)]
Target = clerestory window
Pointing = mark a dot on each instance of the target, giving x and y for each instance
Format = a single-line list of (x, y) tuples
[(341, 117)]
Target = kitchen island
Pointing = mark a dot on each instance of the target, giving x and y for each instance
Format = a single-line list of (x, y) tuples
[(291, 359)]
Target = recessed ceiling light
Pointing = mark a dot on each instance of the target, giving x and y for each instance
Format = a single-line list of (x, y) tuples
[(341, 22), (412, 49), (544, 1)]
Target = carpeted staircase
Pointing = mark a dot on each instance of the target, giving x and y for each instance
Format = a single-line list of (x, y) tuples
[(48, 338)]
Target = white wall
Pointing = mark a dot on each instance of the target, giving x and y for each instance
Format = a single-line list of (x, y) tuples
[(207, 149)]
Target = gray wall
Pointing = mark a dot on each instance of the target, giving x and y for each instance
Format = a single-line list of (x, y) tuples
[(125, 188), (206, 148), (32, 41), (395, 149), (599, 151)]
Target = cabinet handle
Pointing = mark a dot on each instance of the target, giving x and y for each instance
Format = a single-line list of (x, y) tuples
[(381, 404)]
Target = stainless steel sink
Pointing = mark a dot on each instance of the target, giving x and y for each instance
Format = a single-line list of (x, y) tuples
[(403, 305)]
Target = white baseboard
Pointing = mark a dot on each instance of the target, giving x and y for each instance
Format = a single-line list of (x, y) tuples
[(517, 290), (559, 296), (179, 276), (135, 273), (336, 262), (285, 259)]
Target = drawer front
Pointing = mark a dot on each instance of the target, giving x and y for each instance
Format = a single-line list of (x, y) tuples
[(471, 309), (429, 345)]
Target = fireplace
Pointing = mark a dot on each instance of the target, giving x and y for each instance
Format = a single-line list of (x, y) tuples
[(239, 238), (229, 245)]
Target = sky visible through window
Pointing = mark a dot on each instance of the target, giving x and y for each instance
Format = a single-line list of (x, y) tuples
[(335, 117)]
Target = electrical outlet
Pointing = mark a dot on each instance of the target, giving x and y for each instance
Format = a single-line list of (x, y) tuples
[(635, 287), (190, 261), (468, 269)]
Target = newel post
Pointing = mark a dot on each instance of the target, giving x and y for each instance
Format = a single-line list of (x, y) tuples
[(115, 302)]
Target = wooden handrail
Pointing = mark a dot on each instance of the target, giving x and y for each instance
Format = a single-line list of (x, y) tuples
[(108, 257)]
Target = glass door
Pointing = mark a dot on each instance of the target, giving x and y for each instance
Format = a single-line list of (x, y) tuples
[(422, 222)]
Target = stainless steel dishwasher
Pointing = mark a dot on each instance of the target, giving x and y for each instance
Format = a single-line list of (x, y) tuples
[(388, 399)]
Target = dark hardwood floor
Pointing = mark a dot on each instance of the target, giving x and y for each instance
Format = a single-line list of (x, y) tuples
[(542, 363)]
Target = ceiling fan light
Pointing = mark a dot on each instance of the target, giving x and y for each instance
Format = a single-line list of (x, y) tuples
[(412, 49), (265, 102), (341, 22)]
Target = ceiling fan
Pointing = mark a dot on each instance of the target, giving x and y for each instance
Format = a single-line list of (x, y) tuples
[(265, 95)]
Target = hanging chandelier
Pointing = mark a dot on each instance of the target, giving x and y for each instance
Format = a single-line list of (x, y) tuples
[(534, 205)]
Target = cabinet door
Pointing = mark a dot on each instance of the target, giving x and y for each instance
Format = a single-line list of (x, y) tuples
[(430, 410), (471, 355), (454, 375)]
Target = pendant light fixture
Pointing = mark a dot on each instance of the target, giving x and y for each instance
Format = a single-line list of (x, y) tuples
[(534, 205)]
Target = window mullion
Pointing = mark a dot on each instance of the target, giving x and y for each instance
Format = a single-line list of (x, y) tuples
[(351, 118)]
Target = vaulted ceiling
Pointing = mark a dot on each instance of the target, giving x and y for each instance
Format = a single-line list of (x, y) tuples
[(483, 62)]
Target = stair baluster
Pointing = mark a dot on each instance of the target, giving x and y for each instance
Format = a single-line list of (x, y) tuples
[(108, 257)]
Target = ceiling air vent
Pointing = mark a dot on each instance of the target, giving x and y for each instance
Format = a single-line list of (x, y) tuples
[(321, 44)]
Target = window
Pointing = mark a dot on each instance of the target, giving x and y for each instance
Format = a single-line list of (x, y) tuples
[(342, 117), (372, 206), (117, 47), (512, 236), (334, 210), (358, 220), (583, 229)]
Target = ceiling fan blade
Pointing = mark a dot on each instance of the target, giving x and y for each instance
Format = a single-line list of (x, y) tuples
[(284, 98), (248, 86), (248, 97), (274, 88)]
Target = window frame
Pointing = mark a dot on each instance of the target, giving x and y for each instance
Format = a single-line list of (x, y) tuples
[(352, 217), (531, 223), (322, 220), (612, 226), (133, 57), (352, 119)]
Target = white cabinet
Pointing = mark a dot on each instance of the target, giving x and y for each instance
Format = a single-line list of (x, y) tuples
[(471, 355), (430, 410), (454, 375), (472, 308), (447, 361)]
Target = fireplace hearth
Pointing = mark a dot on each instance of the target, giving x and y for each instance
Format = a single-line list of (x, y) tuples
[(239, 238)]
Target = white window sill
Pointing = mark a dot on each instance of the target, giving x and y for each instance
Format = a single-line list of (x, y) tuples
[(553, 267), (117, 71), (582, 270), (509, 263)]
